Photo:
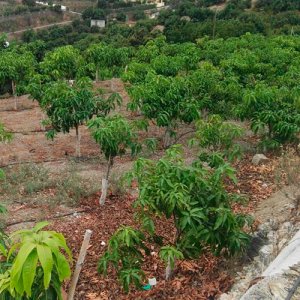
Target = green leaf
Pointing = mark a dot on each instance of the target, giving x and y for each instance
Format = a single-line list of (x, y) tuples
[(40, 226), (17, 266), (46, 260), (29, 271)]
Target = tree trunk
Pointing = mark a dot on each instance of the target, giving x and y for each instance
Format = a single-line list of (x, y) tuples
[(169, 270), (97, 75), (167, 138), (78, 153), (112, 85), (13, 87), (214, 25), (105, 183)]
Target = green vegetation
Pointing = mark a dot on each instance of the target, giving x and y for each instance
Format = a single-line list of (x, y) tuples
[(207, 68), (194, 198), (34, 267), (114, 135)]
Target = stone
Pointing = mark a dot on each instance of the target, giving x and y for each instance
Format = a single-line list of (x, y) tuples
[(282, 243), (225, 297), (264, 228), (271, 235), (259, 159), (287, 225), (277, 289), (274, 224), (265, 254)]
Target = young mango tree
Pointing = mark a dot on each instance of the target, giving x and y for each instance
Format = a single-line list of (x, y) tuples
[(34, 266), (273, 112), (196, 201), (114, 135), (106, 57), (217, 139), (166, 101), (16, 68), (69, 107), (62, 63)]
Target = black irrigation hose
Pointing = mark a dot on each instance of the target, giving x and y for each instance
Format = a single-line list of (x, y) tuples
[(50, 218), (31, 162), (293, 289)]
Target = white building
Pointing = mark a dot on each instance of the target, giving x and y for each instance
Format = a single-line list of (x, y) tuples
[(98, 23)]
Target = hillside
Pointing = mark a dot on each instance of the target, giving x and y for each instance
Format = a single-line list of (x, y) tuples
[(155, 157)]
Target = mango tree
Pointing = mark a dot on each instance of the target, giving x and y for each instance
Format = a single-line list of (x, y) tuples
[(196, 201), (106, 57), (217, 138), (62, 63), (69, 107), (16, 68), (273, 112), (114, 135), (166, 101)]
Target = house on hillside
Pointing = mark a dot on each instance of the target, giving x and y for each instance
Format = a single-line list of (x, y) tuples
[(98, 23), (158, 3)]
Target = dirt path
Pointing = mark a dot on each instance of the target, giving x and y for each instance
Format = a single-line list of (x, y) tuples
[(40, 27)]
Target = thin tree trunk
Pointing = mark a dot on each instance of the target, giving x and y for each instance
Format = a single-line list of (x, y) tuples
[(105, 183), (43, 128), (78, 153), (167, 138), (13, 87), (214, 25), (112, 85), (97, 75), (169, 270), (79, 264)]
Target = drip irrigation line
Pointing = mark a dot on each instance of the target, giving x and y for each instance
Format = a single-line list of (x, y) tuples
[(50, 218)]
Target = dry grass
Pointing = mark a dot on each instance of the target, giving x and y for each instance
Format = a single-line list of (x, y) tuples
[(34, 184)]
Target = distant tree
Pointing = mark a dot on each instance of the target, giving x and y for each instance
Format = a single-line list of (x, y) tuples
[(121, 17), (271, 115), (93, 13), (29, 36), (102, 4), (139, 15), (17, 68), (106, 57), (29, 3), (37, 48), (62, 63)]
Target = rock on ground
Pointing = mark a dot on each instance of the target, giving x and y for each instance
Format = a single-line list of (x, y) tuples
[(259, 159)]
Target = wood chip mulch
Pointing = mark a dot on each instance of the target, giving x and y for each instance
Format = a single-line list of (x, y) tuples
[(205, 278)]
